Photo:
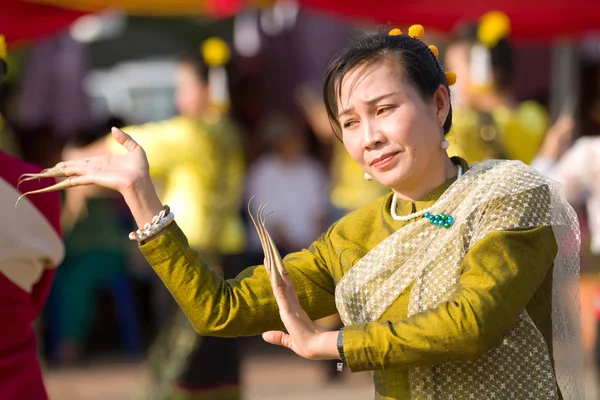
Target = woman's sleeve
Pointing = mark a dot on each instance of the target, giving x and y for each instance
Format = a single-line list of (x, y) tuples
[(245, 305), (499, 276)]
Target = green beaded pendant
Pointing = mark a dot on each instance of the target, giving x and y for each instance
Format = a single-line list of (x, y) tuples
[(441, 220)]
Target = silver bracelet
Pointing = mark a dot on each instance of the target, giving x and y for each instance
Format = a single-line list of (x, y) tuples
[(164, 218)]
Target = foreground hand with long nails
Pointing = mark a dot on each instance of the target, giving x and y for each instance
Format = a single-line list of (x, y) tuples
[(303, 336), (117, 172), (127, 173)]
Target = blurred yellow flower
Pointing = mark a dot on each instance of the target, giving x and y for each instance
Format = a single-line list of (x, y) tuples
[(493, 27), (215, 52)]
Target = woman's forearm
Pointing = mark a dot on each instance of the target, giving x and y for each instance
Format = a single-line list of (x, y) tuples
[(143, 202)]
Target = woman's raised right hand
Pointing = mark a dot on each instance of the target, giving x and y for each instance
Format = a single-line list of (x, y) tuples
[(124, 173)]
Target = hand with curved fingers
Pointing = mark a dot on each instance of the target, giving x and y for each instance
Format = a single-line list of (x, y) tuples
[(128, 174), (117, 172), (303, 336)]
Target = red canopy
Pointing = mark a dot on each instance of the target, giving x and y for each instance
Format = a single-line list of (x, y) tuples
[(21, 21), (530, 19)]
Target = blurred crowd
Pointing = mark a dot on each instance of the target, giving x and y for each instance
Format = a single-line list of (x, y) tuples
[(222, 126)]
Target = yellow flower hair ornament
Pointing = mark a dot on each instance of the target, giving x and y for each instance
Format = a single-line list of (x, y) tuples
[(434, 50), (450, 78), (416, 31)]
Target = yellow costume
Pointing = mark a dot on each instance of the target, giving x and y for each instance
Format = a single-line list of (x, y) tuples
[(503, 134), (199, 166), (477, 299)]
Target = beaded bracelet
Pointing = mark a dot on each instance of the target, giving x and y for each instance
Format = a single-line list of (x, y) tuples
[(159, 222)]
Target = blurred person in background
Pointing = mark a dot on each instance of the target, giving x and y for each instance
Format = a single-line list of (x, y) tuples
[(577, 168), (576, 165), (489, 122), (293, 183), (197, 161), (30, 249)]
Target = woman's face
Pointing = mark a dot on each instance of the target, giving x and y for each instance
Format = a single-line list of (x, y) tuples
[(388, 128), (191, 93)]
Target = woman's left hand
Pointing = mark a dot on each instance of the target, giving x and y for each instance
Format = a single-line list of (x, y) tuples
[(303, 336)]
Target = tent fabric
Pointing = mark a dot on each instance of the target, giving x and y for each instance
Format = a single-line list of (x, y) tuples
[(534, 20), (530, 19), (20, 21), (217, 8), (25, 20)]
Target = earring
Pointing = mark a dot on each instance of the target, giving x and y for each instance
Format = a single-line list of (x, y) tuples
[(368, 176), (444, 143)]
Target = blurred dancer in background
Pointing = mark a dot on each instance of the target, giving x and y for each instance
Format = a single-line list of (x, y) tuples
[(197, 161), (489, 122), (293, 183)]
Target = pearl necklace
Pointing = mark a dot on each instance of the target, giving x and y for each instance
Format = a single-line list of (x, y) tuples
[(417, 214)]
